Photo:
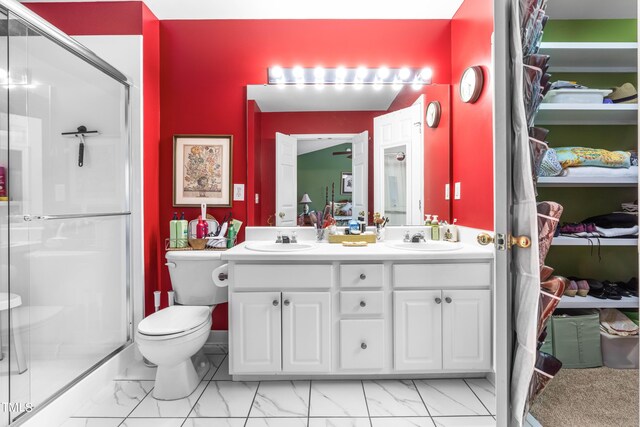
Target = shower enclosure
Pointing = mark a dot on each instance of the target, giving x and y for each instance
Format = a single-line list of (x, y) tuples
[(65, 302)]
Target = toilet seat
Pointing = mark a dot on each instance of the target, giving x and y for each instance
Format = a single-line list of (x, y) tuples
[(175, 321)]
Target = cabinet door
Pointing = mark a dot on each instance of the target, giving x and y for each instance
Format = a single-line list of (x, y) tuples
[(255, 338), (466, 317), (306, 332), (417, 330)]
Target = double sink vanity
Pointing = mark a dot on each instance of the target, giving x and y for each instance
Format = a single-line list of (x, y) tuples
[(389, 309)]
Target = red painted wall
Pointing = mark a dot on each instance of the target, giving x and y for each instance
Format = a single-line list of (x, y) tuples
[(471, 125), (94, 18), (207, 64), (153, 245), (306, 123)]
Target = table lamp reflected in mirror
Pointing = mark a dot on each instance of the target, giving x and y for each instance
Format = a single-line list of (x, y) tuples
[(305, 200)]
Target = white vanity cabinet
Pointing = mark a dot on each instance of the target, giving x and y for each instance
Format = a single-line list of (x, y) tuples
[(376, 318), (281, 332), (448, 329)]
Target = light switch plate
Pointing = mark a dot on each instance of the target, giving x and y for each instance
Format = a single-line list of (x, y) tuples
[(447, 191), (238, 192), (257, 198), (456, 191)]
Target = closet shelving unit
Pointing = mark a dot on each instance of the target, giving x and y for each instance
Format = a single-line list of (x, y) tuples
[(591, 57)]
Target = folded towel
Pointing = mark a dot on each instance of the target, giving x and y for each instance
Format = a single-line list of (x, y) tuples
[(616, 323), (617, 232), (598, 172)]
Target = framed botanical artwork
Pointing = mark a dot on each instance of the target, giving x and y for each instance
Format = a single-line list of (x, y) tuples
[(347, 182), (202, 170)]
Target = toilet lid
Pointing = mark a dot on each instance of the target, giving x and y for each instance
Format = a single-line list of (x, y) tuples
[(174, 319)]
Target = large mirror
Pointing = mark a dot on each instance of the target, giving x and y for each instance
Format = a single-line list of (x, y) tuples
[(356, 150)]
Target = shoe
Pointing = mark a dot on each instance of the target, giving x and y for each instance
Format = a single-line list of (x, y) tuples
[(583, 288), (550, 295), (631, 286), (611, 292), (545, 273), (572, 289), (619, 289), (545, 369), (596, 289), (549, 214)]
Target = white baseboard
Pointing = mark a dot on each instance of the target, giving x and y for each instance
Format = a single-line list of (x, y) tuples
[(69, 402)]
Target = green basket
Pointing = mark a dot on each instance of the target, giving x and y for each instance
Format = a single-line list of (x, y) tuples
[(573, 336), (631, 314)]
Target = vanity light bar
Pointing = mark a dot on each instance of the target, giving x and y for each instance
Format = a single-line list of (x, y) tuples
[(349, 76)]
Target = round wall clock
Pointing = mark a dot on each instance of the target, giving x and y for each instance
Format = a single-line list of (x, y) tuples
[(471, 84), (433, 114)]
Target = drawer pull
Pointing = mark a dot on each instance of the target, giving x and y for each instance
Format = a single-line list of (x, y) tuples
[(363, 346), (438, 300), (363, 304), (287, 302), (448, 300), (275, 302), (363, 276)]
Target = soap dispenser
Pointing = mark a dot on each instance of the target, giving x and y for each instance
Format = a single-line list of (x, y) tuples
[(182, 232), (435, 228), (173, 231), (427, 219)]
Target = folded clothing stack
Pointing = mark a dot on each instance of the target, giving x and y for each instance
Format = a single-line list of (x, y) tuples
[(631, 207), (615, 322), (615, 224), (586, 161)]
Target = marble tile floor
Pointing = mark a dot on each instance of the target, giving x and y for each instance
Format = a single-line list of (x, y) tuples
[(220, 402)]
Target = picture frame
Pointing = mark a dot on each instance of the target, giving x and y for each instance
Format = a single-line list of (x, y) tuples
[(346, 179), (202, 170)]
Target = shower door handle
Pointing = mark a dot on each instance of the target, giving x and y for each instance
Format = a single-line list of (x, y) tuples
[(72, 216)]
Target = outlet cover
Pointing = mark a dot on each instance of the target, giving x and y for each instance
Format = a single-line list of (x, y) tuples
[(456, 191), (238, 192), (447, 191)]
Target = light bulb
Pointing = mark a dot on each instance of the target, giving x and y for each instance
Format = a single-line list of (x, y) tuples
[(417, 84), (341, 73), (277, 72), (383, 72), (299, 83), (319, 85), (357, 84), (339, 85), (298, 72), (362, 72), (318, 73), (377, 84), (404, 73), (397, 84), (280, 82), (426, 74)]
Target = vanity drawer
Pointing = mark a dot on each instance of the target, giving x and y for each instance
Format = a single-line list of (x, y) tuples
[(281, 276), (361, 275), (361, 344), (361, 302), (469, 275)]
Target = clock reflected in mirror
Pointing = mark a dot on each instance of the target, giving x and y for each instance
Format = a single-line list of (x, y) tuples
[(433, 114), (471, 84)]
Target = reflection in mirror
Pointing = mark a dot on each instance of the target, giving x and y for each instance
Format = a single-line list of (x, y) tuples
[(311, 147)]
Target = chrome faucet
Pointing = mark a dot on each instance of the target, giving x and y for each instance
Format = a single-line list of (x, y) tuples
[(407, 237), (417, 237)]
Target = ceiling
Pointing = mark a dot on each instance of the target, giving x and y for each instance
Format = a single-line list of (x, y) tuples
[(298, 9), (271, 98)]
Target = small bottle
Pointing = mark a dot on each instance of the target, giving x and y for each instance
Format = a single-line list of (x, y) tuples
[(201, 228), (173, 230), (231, 235), (435, 228), (182, 232), (427, 219)]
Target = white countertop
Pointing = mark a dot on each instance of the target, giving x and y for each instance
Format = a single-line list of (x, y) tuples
[(373, 252)]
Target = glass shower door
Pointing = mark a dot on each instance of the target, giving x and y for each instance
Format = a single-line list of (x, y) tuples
[(69, 261), (4, 231)]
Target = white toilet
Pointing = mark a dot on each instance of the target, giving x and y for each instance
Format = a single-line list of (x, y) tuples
[(173, 338)]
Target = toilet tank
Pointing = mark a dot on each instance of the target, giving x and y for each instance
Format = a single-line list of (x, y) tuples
[(191, 280)]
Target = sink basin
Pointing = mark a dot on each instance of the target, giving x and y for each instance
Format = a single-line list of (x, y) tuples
[(428, 246), (278, 247)]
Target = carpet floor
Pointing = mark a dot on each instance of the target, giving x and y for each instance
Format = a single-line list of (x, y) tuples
[(600, 397)]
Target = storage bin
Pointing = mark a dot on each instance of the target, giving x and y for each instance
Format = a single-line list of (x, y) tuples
[(619, 352), (576, 96), (576, 338), (631, 314)]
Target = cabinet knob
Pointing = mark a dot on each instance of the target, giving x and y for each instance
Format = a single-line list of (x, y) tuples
[(448, 300), (438, 300), (363, 346), (363, 304), (287, 302), (363, 276), (275, 303)]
